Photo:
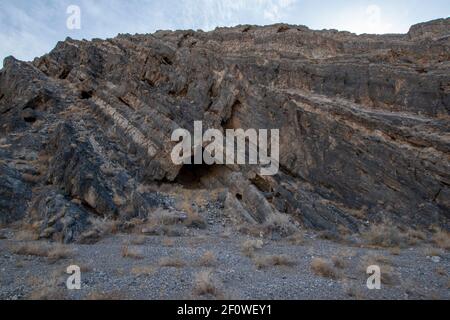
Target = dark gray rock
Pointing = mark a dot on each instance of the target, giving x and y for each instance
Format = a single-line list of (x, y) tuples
[(363, 124), (14, 195)]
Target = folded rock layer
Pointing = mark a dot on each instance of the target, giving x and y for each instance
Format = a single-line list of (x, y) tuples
[(364, 126)]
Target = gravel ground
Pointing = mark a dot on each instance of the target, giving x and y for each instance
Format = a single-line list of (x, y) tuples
[(412, 273)]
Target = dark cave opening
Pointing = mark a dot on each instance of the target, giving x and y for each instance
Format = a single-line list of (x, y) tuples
[(190, 175), (29, 118), (86, 94)]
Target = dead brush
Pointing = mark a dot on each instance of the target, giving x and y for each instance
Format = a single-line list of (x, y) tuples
[(339, 262), (168, 242), (142, 270), (105, 295), (172, 262), (59, 252), (163, 217), (205, 285), (132, 253), (50, 287), (279, 223), (387, 235), (104, 227), (276, 223), (208, 259), (31, 249), (298, 238), (441, 239), (169, 223), (193, 219), (265, 261), (352, 290), (47, 293), (324, 268), (52, 252), (415, 236), (28, 232), (249, 246)]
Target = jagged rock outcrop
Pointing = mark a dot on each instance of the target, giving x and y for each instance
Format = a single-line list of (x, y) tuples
[(364, 125)]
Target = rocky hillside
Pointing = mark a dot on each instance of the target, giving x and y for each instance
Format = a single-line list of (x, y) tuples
[(364, 128)]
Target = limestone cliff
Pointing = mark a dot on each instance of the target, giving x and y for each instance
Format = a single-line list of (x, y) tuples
[(364, 126)]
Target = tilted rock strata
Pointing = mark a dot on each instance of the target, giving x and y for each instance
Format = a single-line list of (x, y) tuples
[(364, 124)]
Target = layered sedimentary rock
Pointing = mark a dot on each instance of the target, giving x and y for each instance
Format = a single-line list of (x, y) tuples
[(364, 125)]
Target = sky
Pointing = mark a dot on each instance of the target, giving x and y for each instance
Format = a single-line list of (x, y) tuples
[(32, 28)]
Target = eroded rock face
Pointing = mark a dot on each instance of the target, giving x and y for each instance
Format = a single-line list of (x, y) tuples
[(364, 124)]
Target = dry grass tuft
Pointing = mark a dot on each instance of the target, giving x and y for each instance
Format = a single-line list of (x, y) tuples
[(388, 276), (47, 293), (194, 219), (172, 262), (52, 252), (262, 262), (395, 251), (324, 268), (279, 223), (31, 249), (51, 287), (163, 217), (442, 239), (131, 253), (441, 271), (431, 252), (208, 259), (298, 238), (413, 237), (383, 235), (205, 285), (339, 262), (375, 259), (105, 226), (59, 252), (353, 291), (249, 247), (142, 270), (138, 240), (275, 224), (100, 228), (27, 233), (168, 242), (387, 235), (105, 296)]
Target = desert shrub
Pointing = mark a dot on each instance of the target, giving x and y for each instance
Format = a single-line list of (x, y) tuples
[(387, 235), (52, 252), (339, 262), (324, 268), (249, 246), (265, 261), (142, 270), (441, 238), (173, 262), (208, 259), (132, 253), (205, 285)]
